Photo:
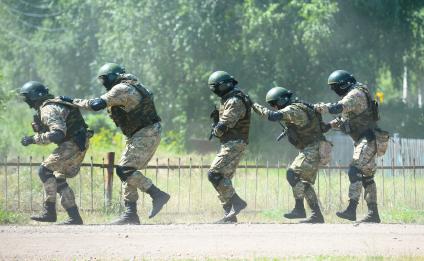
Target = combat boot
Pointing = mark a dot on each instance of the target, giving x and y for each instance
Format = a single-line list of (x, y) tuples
[(129, 217), (316, 216), (350, 212), (74, 217), (238, 205), (48, 214), (159, 199), (372, 216), (226, 220), (298, 211)]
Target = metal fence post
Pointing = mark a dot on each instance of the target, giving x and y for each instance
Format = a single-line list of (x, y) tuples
[(179, 184), (19, 183), (91, 183), (5, 183), (382, 175), (415, 184), (30, 183), (278, 182), (189, 185), (201, 179), (109, 177)]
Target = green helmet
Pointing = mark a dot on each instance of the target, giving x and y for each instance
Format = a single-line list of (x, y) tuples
[(34, 91), (278, 96), (109, 72), (340, 81), (221, 82)]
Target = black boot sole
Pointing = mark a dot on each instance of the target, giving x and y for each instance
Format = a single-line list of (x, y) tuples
[(341, 215), (44, 220), (289, 216)]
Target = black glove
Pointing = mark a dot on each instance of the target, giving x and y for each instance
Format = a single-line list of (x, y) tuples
[(66, 99), (27, 140)]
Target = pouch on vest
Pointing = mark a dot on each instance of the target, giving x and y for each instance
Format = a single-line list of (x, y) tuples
[(80, 138), (325, 148), (382, 140)]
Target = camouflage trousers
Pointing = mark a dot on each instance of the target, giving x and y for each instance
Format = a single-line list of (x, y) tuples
[(305, 167), (364, 156), (225, 164), (64, 162), (139, 149)]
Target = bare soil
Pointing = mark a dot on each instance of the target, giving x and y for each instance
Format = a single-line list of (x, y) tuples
[(200, 241)]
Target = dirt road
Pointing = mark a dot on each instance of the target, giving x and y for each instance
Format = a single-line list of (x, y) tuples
[(208, 240)]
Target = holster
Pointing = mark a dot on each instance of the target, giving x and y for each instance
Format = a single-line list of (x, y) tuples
[(80, 138)]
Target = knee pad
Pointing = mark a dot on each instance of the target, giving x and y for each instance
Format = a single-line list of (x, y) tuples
[(214, 178), (61, 185), (366, 181), (44, 173), (354, 174), (124, 172), (292, 178)]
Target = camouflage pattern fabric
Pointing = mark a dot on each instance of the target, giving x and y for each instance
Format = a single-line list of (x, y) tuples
[(50, 189), (230, 113), (53, 116), (355, 102), (226, 163), (123, 95), (139, 149), (364, 155), (306, 163), (66, 159), (67, 196), (291, 114)]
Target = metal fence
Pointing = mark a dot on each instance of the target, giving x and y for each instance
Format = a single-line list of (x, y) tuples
[(262, 184)]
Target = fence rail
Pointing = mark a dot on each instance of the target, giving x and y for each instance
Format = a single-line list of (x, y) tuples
[(263, 185)]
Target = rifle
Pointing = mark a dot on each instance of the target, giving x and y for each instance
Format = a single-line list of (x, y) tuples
[(37, 125), (283, 133), (215, 119)]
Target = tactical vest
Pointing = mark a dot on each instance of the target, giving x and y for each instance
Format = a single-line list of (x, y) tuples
[(363, 124), (241, 130), (302, 136), (143, 115), (74, 122)]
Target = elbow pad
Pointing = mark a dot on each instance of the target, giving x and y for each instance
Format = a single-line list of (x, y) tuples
[(97, 104), (335, 108), (56, 136), (275, 116)]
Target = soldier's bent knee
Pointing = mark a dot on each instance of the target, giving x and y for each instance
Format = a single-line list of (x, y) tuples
[(61, 185), (124, 172), (292, 178), (214, 178), (366, 181), (44, 174), (354, 174)]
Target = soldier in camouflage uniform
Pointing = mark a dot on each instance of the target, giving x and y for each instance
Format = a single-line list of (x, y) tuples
[(131, 107), (304, 128), (359, 115), (57, 122), (232, 129)]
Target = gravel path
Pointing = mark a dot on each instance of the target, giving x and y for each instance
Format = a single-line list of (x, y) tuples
[(199, 241)]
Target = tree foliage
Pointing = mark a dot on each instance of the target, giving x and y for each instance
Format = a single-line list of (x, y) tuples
[(172, 46)]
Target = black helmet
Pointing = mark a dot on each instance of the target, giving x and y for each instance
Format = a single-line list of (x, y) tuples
[(108, 74), (34, 93), (341, 81), (221, 82), (278, 96)]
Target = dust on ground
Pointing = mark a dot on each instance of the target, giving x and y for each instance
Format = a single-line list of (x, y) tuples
[(199, 241)]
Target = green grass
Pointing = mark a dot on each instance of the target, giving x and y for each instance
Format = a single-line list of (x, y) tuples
[(194, 199)]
